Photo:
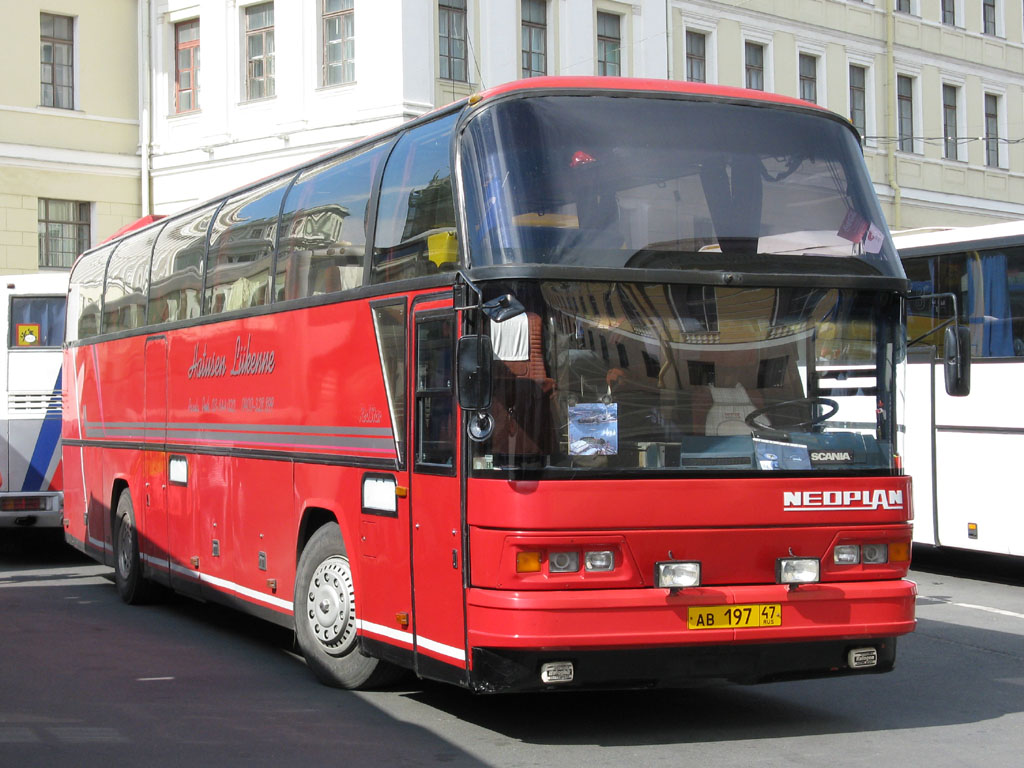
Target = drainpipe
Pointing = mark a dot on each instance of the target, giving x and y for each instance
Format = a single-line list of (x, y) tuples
[(892, 127), (145, 106)]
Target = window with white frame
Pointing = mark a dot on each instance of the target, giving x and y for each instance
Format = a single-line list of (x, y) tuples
[(859, 98), (534, 38), (905, 112), (609, 44), (696, 57), (259, 51), (451, 40), (993, 117), (339, 45), (186, 66), (948, 11), (753, 63), (989, 17), (63, 232), (57, 61), (808, 77), (951, 121)]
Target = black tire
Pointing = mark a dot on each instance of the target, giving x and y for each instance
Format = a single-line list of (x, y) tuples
[(133, 588), (325, 617)]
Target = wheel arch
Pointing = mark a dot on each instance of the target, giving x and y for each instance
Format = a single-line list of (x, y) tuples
[(314, 517)]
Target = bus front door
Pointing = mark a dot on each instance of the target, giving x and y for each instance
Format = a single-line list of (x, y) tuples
[(436, 517)]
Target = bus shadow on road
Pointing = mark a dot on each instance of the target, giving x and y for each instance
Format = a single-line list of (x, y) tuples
[(917, 694)]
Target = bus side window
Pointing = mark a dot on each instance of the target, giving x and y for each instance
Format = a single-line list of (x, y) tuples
[(416, 214), (86, 294), (322, 245), (242, 248), (127, 285), (177, 275)]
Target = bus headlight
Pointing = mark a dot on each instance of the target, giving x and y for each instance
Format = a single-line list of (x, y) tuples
[(603, 560), (797, 570), (875, 553), (846, 554), (563, 562), (677, 575)]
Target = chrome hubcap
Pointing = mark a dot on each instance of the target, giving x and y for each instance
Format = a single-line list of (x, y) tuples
[(330, 605)]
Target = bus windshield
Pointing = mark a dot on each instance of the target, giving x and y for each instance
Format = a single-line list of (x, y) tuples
[(625, 377), (668, 183)]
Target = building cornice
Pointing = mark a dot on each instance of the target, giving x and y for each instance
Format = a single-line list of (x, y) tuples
[(68, 160), (69, 114)]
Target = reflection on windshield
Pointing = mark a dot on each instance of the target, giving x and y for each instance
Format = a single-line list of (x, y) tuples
[(670, 184), (627, 376)]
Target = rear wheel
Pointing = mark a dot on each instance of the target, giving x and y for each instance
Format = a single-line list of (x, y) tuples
[(132, 587), (325, 616)]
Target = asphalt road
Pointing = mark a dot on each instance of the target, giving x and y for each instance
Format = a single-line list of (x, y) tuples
[(88, 681)]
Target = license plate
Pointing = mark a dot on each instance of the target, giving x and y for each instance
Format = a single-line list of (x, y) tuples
[(734, 616)]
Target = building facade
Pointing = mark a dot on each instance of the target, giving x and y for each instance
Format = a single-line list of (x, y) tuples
[(69, 129), (936, 87)]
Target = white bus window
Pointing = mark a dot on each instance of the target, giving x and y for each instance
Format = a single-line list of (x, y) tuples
[(989, 287), (36, 321)]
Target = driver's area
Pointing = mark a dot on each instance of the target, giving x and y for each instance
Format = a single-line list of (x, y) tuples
[(612, 377)]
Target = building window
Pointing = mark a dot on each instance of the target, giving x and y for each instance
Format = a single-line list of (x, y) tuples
[(988, 16), (609, 44), (903, 6), (754, 62), (451, 20), (950, 122), (57, 61), (905, 112), (809, 77), (535, 38), (63, 232), (186, 66), (339, 42), (858, 99), (696, 57), (991, 130), (259, 51), (949, 12)]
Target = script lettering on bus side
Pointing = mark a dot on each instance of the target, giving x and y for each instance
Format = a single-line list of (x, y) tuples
[(247, 361), (206, 366)]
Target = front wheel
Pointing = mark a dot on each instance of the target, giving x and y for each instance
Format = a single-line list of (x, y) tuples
[(325, 616)]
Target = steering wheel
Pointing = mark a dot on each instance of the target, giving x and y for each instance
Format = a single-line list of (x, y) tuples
[(751, 417)]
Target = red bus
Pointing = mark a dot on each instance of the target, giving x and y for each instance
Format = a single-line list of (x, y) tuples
[(578, 382)]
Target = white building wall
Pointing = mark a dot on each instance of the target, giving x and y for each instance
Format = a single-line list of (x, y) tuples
[(230, 142)]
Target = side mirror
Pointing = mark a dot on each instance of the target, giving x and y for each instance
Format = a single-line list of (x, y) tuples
[(474, 357), (958, 361)]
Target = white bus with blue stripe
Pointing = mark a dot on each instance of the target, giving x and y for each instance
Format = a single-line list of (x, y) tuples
[(31, 481)]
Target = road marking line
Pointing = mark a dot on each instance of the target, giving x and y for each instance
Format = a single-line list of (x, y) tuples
[(152, 679), (985, 608)]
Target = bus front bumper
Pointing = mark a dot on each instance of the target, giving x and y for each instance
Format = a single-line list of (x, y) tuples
[(641, 637)]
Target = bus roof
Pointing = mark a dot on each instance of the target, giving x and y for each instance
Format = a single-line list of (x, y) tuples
[(935, 240), (634, 85)]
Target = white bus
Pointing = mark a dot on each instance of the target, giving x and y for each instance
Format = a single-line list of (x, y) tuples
[(964, 454), (31, 483)]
